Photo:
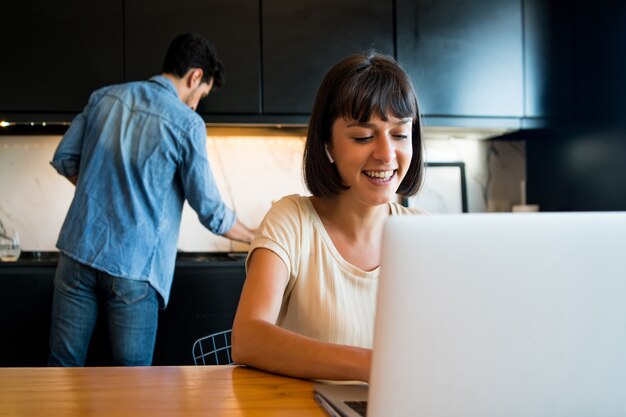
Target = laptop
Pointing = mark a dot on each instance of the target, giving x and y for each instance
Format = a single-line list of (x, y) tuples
[(500, 314)]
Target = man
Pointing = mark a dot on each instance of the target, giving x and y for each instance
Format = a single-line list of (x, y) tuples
[(135, 153)]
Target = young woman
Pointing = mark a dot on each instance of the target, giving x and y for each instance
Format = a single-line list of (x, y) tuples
[(307, 307)]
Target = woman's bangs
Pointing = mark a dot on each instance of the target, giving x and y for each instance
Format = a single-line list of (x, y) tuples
[(375, 96)]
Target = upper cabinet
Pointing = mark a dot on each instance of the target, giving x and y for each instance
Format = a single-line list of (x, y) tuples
[(56, 52), (303, 39), (231, 25), (549, 60), (575, 61), (485, 63), (464, 56)]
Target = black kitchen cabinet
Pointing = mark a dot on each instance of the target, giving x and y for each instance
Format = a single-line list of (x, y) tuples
[(578, 165), (487, 63), (303, 39), (203, 300), (56, 52), (464, 56), (231, 25), (25, 308), (550, 60), (576, 61), (580, 169)]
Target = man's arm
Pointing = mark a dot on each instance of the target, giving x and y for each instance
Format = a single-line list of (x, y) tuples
[(202, 192)]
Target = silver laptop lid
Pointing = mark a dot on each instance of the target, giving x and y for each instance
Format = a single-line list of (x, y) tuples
[(501, 315)]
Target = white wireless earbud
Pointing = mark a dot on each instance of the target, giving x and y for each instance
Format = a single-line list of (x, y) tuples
[(330, 158)]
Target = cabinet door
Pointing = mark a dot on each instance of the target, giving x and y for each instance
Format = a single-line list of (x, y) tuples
[(25, 306), (56, 52), (465, 57), (231, 25), (303, 39), (549, 58), (203, 301)]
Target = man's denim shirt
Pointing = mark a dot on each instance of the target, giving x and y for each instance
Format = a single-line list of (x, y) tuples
[(139, 152)]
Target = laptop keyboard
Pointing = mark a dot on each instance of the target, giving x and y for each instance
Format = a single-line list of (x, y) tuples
[(359, 406)]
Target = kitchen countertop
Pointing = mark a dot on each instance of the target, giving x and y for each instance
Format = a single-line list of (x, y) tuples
[(185, 259)]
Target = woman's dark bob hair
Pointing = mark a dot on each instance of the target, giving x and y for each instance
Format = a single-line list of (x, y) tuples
[(360, 87)]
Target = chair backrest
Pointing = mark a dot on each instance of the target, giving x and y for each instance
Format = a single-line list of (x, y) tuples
[(213, 349)]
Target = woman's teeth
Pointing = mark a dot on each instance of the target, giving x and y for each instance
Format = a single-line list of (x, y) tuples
[(383, 175)]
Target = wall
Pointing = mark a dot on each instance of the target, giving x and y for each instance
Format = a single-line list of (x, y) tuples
[(253, 167)]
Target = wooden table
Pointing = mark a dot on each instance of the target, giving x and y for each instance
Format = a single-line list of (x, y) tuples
[(153, 392)]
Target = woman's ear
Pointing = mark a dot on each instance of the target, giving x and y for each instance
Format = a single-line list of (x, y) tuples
[(330, 157)]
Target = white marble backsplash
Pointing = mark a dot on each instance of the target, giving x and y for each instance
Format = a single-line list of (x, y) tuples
[(251, 172), (33, 197)]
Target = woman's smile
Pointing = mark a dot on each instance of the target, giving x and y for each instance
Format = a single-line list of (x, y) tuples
[(379, 177)]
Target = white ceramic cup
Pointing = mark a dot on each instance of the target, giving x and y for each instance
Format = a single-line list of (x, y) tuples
[(525, 208)]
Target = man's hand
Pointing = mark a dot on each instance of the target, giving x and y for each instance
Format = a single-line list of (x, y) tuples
[(240, 233)]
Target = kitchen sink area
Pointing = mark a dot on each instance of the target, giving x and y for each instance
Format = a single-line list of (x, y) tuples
[(201, 258), (43, 258), (182, 258)]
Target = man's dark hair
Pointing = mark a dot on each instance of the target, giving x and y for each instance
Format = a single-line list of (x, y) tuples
[(359, 87), (192, 50)]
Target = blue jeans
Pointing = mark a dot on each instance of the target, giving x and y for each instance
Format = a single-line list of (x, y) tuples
[(131, 309)]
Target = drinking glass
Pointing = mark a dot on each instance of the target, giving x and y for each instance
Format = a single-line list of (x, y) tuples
[(9, 245)]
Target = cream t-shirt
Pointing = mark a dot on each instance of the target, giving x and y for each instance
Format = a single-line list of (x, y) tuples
[(326, 297)]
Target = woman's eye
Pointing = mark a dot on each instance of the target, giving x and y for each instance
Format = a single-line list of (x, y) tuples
[(362, 139), (400, 136)]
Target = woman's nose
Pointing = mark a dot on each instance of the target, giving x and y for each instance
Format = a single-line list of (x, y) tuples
[(384, 150)]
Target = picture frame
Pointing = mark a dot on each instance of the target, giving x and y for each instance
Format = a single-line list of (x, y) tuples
[(444, 189)]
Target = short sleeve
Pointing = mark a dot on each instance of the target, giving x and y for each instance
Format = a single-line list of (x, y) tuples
[(281, 231)]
